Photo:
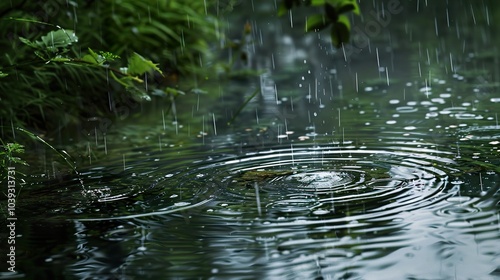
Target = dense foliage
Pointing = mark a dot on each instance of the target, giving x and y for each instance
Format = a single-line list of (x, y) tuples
[(66, 61), (70, 39)]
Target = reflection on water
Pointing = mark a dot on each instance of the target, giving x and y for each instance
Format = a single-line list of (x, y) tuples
[(381, 166), (403, 210)]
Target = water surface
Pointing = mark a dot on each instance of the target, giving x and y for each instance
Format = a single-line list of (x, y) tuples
[(383, 164)]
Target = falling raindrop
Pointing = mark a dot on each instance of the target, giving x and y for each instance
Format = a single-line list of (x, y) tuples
[(257, 198), (357, 86), (338, 109), (276, 94), (89, 151), (378, 59), (105, 145), (343, 51), (487, 15), (215, 127), (451, 63), (95, 132), (387, 75), (436, 26), (473, 16), (163, 119)]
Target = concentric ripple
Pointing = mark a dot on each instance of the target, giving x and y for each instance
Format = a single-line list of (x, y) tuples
[(337, 180), (302, 211), (305, 180)]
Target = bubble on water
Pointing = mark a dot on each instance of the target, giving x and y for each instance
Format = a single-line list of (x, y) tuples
[(321, 212), (391, 122), (426, 89), (368, 89), (410, 127), (394, 101), (431, 115), (180, 204), (438, 100), (466, 116), (495, 99), (406, 109)]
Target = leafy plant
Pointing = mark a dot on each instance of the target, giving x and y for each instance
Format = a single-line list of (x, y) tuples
[(42, 79), (176, 34), (333, 16), (9, 152)]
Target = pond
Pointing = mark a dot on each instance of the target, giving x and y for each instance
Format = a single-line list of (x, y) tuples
[(380, 160)]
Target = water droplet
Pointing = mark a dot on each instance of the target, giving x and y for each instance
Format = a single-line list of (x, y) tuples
[(321, 212)]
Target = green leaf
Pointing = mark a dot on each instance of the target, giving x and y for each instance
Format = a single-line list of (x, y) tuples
[(28, 42), (348, 6), (340, 32), (174, 91), (58, 39), (316, 22), (138, 94), (2, 74), (41, 55), (60, 59), (317, 2), (90, 59), (93, 54), (138, 65)]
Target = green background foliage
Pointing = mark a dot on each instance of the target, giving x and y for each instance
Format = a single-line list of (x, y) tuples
[(49, 59)]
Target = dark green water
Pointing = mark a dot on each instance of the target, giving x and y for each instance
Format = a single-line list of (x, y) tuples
[(382, 163)]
